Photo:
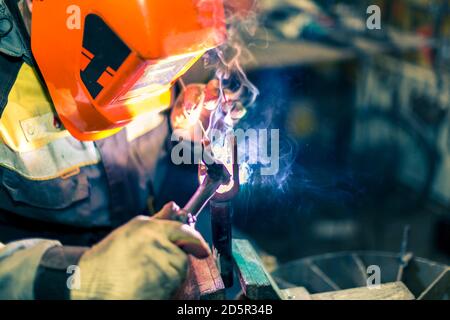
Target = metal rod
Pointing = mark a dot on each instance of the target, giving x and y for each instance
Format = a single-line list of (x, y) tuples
[(221, 213)]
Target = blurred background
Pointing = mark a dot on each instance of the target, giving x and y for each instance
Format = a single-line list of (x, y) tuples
[(364, 129)]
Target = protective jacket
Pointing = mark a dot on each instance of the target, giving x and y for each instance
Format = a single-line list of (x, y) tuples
[(52, 185)]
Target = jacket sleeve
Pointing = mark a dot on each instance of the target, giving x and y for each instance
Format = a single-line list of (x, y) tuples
[(19, 263)]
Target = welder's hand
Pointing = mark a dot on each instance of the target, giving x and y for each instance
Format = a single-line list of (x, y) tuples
[(171, 211), (144, 259)]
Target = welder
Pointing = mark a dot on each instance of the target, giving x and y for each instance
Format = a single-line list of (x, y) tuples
[(83, 89)]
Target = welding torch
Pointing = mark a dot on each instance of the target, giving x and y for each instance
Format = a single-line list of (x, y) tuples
[(217, 175)]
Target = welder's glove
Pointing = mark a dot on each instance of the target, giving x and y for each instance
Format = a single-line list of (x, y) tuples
[(144, 259), (171, 211)]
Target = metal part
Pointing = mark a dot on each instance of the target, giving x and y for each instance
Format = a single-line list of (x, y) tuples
[(221, 213), (423, 278), (405, 256), (221, 223)]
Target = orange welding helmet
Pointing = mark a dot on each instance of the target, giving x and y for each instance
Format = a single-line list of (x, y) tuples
[(105, 62)]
